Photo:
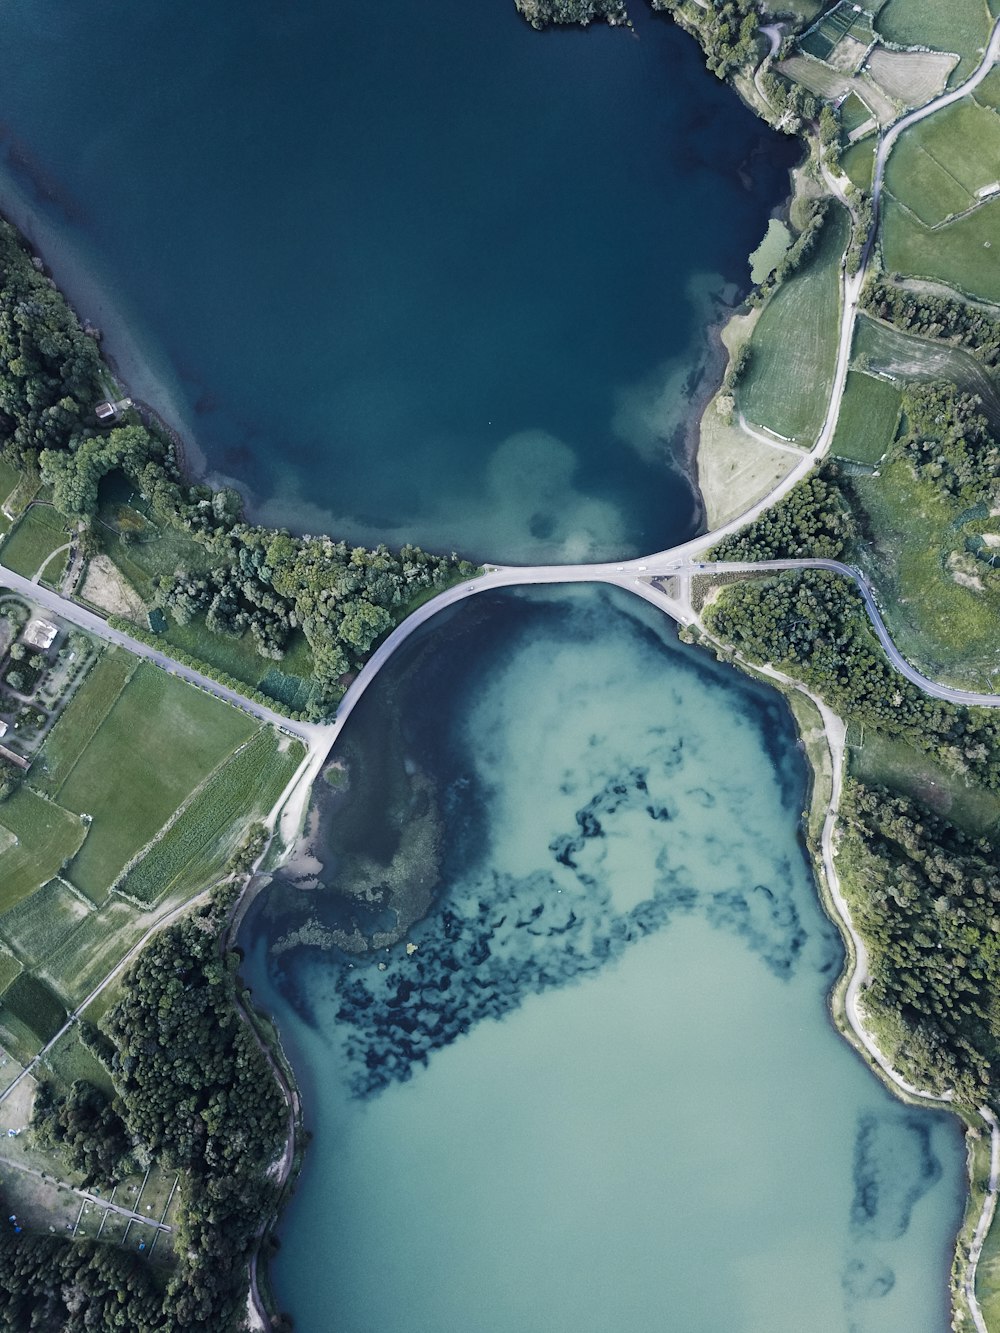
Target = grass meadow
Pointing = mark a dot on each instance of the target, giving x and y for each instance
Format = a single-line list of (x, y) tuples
[(963, 254), (940, 624), (869, 417), (81, 721), (962, 26), (793, 351), (47, 836), (205, 833), (161, 738), (40, 532), (890, 762)]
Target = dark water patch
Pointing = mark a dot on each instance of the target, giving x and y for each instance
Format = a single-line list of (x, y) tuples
[(894, 1166)]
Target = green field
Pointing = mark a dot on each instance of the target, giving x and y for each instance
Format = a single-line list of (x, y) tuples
[(30, 1002), (161, 738), (40, 532), (854, 113), (858, 163), (793, 351), (38, 923), (92, 949), (962, 254), (47, 836), (869, 416), (962, 26), (988, 92), (9, 967), (887, 351), (82, 718), (890, 762), (207, 831), (939, 164), (945, 627), (9, 477), (239, 657)]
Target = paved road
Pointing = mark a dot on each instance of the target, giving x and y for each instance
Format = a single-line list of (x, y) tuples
[(970, 698), (888, 140), (311, 733)]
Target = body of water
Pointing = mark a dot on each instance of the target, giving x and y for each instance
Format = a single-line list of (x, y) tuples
[(411, 273), (597, 1086)]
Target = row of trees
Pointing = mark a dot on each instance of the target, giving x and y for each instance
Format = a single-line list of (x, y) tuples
[(933, 316), (926, 897), (817, 211)]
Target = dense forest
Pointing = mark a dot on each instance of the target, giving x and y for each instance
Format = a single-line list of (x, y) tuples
[(812, 624), (926, 897), (251, 580), (195, 1092), (812, 520)]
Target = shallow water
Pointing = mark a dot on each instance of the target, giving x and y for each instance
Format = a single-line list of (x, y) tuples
[(603, 1090), (416, 273)]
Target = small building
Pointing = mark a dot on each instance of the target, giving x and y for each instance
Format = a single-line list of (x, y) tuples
[(105, 411), (3, 728), (40, 634), (14, 758)]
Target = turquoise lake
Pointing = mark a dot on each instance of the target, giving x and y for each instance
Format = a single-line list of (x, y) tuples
[(603, 1090), (417, 273), (409, 274)]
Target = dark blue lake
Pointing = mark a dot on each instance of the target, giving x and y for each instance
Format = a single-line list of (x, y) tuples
[(402, 273)]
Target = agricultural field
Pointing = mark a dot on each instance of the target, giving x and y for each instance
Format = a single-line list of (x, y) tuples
[(940, 603), (887, 351), (988, 92), (161, 738), (47, 836), (793, 350), (94, 947), (209, 827), (40, 532), (858, 164), (30, 1015), (910, 77), (38, 923), (958, 254), (869, 417), (855, 114), (844, 24), (941, 163), (962, 26), (804, 10), (82, 720), (889, 761)]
